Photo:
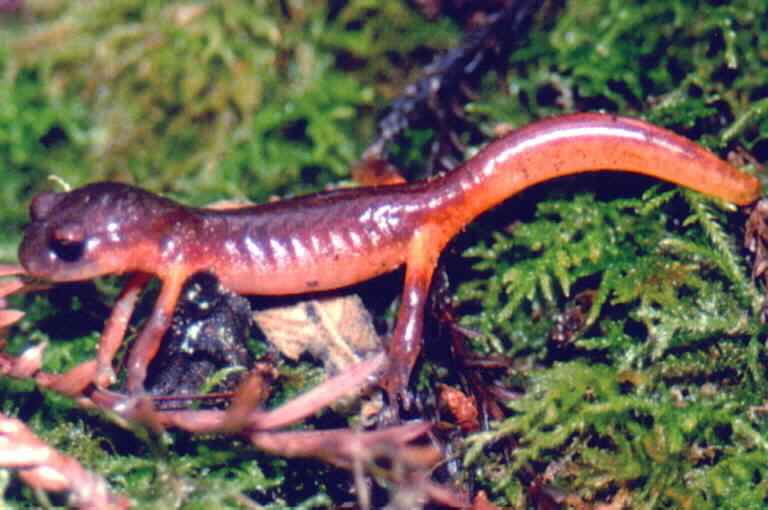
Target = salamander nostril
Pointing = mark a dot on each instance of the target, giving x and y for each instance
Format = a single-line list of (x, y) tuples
[(67, 251)]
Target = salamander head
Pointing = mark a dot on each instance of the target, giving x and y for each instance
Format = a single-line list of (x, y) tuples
[(102, 228)]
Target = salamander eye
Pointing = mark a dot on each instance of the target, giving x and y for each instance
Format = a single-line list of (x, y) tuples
[(68, 243)]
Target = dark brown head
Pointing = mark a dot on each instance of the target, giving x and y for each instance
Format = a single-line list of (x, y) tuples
[(102, 228)]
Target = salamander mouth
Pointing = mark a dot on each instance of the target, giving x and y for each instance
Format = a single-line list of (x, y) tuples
[(30, 249)]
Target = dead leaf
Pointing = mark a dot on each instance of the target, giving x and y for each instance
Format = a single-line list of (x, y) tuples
[(337, 330)]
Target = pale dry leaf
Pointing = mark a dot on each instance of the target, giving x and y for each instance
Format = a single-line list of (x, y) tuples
[(337, 330)]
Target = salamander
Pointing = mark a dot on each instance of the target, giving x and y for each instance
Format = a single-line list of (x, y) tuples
[(333, 239)]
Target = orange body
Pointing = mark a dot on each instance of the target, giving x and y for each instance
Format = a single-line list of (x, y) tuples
[(334, 239)]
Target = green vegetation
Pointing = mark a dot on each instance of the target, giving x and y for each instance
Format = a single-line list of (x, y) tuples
[(655, 398)]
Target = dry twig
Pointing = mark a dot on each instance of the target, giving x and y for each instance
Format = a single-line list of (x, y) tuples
[(42, 467)]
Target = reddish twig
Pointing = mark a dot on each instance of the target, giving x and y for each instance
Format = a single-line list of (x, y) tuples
[(42, 467)]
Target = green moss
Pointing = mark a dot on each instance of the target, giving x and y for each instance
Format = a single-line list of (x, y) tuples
[(672, 447), (669, 358)]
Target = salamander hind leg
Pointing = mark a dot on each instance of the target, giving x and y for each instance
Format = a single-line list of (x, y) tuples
[(423, 253)]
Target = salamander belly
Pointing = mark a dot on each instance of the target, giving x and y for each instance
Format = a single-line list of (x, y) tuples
[(293, 265)]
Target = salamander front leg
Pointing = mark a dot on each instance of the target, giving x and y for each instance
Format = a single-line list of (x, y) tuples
[(406, 340), (146, 346), (114, 331)]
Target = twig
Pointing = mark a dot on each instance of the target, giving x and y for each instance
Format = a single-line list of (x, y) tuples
[(42, 467)]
